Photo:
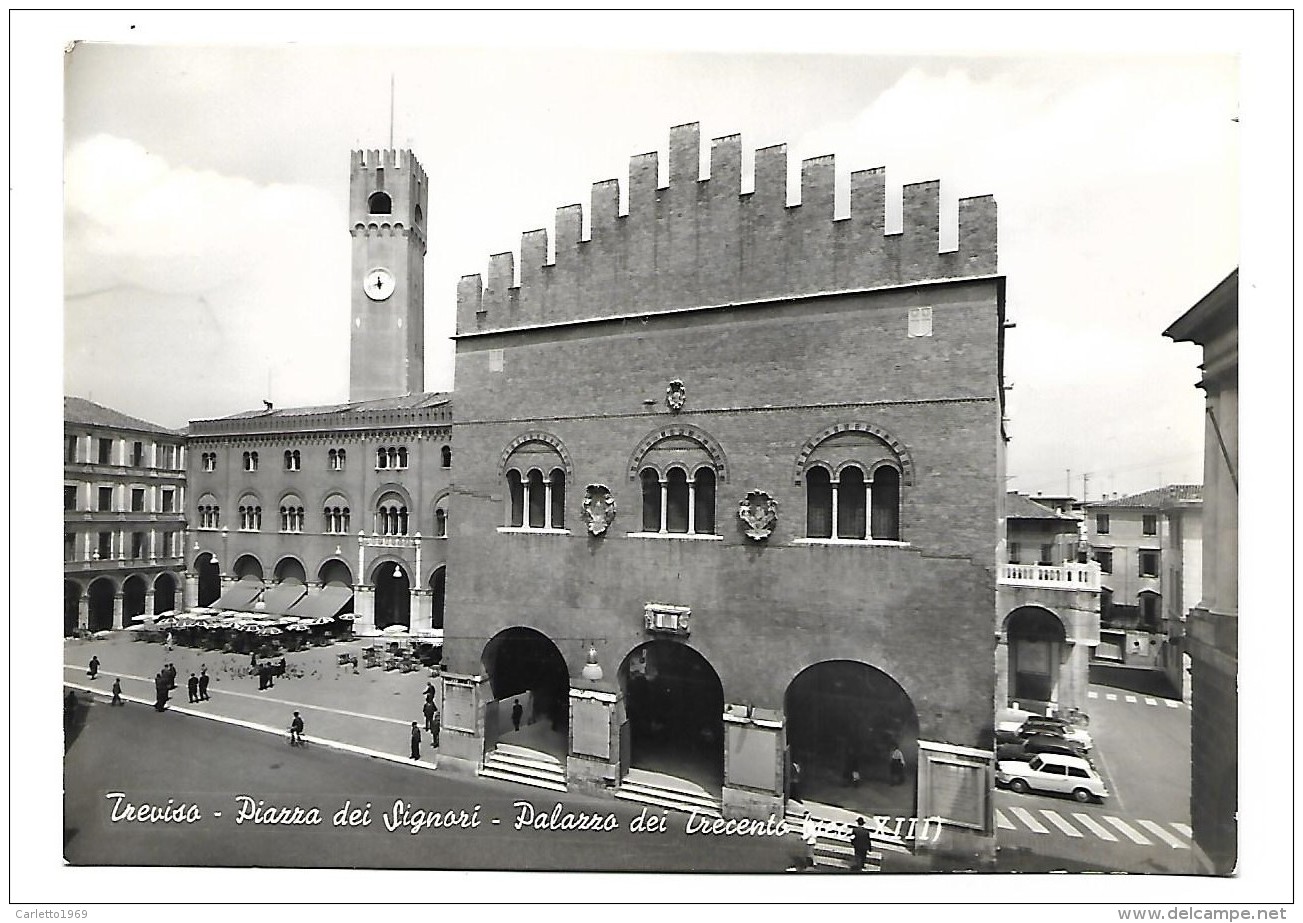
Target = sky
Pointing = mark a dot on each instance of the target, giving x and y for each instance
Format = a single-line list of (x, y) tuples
[(202, 233), (205, 207)]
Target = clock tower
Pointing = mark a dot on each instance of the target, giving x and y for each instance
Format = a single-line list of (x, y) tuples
[(388, 196)]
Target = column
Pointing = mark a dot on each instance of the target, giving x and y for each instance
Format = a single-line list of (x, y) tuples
[(117, 610), (868, 509), (547, 502), (836, 489), (692, 507), (422, 609), (524, 513), (83, 611), (665, 504), (190, 590), (153, 544), (149, 601), (364, 608)]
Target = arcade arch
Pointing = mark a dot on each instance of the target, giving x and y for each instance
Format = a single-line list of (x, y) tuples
[(1036, 639)]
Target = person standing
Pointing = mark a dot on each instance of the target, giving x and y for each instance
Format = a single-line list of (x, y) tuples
[(94, 667), (296, 730), (861, 842), (429, 692), (192, 687), (429, 715), (516, 713), (794, 786), (416, 741), (434, 730), (117, 692), (169, 640), (897, 765), (810, 837), (160, 691), (203, 683)]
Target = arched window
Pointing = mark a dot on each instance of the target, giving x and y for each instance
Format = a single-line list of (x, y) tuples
[(250, 461), (250, 514), (440, 523), (676, 500), (862, 501), (516, 506), (535, 469), (391, 515), (382, 458), (651, 500), (402, 456), (210, 515), (818, 503), (678, 472), (291, 511), (703, 502), (885, 519), (379, 203), (336, 515), (445, 457), (292, 460), (337, 458)]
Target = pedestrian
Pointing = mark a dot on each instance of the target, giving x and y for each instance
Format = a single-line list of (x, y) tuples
[(262, 677), (203, 684), (794, 784), (169, 640), (429, 715), (434, 730), (169, 673), (810, 837), (253, 660), (69, 707), (117, 692), (416, 741), (192, 687), (296, 730), (861, 842), (516, 712), (429, 692), (897, 765), (160, 691), (94, 667)]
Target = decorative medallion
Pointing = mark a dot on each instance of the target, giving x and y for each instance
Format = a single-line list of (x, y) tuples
[(675, 395), (599, 508), (760, 513)]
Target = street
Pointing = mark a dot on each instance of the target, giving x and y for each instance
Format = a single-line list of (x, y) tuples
[(221, 790), (1142, 750)]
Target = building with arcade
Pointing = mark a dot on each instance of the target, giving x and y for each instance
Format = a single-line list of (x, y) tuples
[(726, 511), (339, 509), (124, 490)]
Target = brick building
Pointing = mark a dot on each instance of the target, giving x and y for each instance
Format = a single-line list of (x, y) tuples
[(319, 511), (728, 485), (1213, 631), (123, 517)]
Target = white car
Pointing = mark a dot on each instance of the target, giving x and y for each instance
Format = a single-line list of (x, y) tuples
[(1052, 772)]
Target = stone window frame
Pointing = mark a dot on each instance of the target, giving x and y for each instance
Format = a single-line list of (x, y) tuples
[(712, 458), (519, 481), (250, 512), (335, 515), (900, 462)]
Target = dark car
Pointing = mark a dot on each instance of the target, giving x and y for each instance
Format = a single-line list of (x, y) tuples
[(1055, 728), (1052, 743)]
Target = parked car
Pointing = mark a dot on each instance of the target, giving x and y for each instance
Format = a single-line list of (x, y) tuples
[(1055, 773), (1052, 743), (1039, 725)]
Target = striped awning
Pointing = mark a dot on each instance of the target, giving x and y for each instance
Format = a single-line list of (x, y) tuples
[(240, 596), (324, 603), (282, 597)]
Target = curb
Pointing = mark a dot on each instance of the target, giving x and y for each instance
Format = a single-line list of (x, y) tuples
[(252, 726)]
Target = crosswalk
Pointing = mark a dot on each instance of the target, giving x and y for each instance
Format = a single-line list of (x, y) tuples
[(1151, 701), (1080, 825)]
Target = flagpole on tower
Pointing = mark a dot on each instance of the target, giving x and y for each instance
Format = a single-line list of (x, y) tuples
[(391, 112)]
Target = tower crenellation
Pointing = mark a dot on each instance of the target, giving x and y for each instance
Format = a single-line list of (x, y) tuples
[(703, 241)]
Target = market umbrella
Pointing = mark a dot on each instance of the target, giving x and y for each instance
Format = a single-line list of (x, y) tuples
[(269, 631), (347, 617), (394, 630)]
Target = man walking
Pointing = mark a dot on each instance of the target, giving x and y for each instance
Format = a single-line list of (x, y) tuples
[(94, 667), (117, 692), (810, 837), (192, 687), (897, 765), (416, 741), (429, 715), (203, 684), (861, 842), (516, 712), (296, 731), (160, 691)]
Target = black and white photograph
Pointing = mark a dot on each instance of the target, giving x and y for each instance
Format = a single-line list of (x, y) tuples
[(805, 466)]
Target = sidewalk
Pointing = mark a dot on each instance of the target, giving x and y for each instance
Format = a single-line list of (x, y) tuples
[(369, 711)]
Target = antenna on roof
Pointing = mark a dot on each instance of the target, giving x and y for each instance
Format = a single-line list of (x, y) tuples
[(391, 111)]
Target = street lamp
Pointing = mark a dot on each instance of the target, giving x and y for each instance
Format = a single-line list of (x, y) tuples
[(592, 669)]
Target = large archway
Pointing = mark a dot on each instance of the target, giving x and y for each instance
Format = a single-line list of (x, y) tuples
[(71, 607), (673, 713), (246, 565), (164, 593), (1035, 640), (101, 595), (335, 571), (844, 720), (438, 591), (393, 599), (210, 579), (133, 598), (524, 665), (290, 568)]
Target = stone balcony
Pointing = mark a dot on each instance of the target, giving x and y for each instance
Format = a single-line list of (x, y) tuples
[(1077, 577)]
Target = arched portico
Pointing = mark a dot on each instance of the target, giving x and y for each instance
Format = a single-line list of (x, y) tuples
[(133, 598), (102, 597), (290, 568), (72, 597), (393, 594), (844, 719), (247, 566), (673, 719), (524, 666), (438, 589), (165, 587), (210, 578), (1036, 639)]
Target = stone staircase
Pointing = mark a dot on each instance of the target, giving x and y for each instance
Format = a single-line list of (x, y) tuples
[(833, 848), (663, 791), (512, 763)]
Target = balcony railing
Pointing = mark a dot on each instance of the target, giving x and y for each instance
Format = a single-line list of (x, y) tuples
[(1054, 577)]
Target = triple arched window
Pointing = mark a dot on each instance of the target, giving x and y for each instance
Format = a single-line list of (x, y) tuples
[(391, 457), (535, 470), (678, 502), (854, 504), (391, 515), (291, 510), (250, 514), (210, 514), (336, 515)]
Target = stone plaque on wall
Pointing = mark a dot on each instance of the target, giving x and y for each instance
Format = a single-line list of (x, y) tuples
[(590, 727), (954, 787), (458, 707), (752, 756)]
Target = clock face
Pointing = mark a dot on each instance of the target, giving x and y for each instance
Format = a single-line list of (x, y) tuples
[(378, 284)]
